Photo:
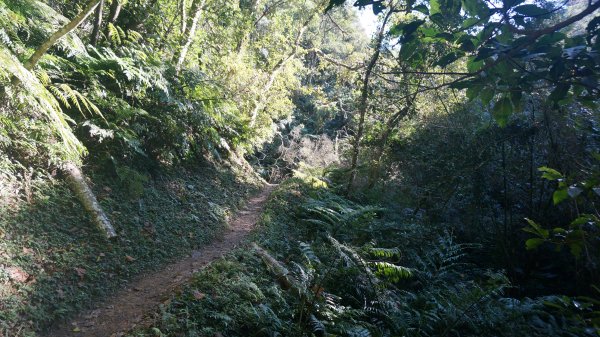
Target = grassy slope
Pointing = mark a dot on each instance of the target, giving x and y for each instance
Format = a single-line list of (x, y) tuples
[(53, 261)]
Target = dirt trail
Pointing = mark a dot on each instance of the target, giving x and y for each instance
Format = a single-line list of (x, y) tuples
[(127, 308)]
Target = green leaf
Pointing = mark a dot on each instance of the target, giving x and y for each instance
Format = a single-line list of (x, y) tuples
[(476, 7), (421, 8), (533, 243), (536, 229), (583, 219), (470, 22), (560, 195), (473, 66), (434, 7), (449, 58), (530, 10), (576, 249), (559, 92), (502, 110), (550, 173), (473, 92), (487, 94)]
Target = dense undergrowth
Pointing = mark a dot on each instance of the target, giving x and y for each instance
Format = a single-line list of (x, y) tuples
[(352, 270), (56, 262)]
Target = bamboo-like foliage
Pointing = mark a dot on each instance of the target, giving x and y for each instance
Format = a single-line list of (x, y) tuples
[(35, 94)]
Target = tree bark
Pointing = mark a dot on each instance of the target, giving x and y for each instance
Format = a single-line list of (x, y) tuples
[(197, 9), (34, 59), (86, 196), (389, 127), (115, 11), (281, 273), (183, 10), (363, 103), (97, 23)]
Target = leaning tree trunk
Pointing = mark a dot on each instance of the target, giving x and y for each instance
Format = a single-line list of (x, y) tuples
[(86, 196), (97, 24), (74, 175), (197, 8), (64, 30), (363, 103)]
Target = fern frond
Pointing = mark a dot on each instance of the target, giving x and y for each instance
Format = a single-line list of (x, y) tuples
[(113, 34), (391, 271)]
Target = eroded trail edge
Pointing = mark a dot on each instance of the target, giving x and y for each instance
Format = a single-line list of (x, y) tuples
[(128, 307)]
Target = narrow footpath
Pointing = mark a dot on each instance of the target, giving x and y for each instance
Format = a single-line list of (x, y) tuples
[(128, 307)]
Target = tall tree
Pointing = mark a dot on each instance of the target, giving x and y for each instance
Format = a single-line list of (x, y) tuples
[(97, 23), (189, 35), (259, 103), (363, 103)]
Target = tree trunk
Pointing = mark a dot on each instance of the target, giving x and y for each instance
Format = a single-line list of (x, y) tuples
[(115, 10), (33, 60), (97, 23), (286, 282), (86, 196), (389, 127), (197, 8), (260, 102), (183, 10), (363, 103)]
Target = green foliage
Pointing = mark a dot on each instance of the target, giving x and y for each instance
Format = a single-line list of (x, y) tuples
[(344, 289)]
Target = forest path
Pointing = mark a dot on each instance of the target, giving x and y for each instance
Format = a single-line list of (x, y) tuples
[(126, 309)]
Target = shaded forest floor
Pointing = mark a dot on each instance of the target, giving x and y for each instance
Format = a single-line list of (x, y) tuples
[(55, 263), (126, 308)]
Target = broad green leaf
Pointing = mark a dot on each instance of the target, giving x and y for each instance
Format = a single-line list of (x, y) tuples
[(434, 7), (476, 7), (533, 243), (473, 66), (560, 195), (576, 248), (530, 10), (473, 92), (502, 110), (550, 173), (470, 22), (536, 229), (449, 58), (559, 92), (487, 94), (421, 8)]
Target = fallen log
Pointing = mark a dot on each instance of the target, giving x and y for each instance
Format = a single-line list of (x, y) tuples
[(86, 196)]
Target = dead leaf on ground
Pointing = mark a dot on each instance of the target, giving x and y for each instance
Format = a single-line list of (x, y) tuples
[(198, 295), (17, 274), (80, 272)]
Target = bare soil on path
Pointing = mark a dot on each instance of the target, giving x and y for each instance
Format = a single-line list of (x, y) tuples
[(128, 307)]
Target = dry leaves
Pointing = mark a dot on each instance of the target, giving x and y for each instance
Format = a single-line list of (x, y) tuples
[(17, 274), (198, 295), (80, 272)]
